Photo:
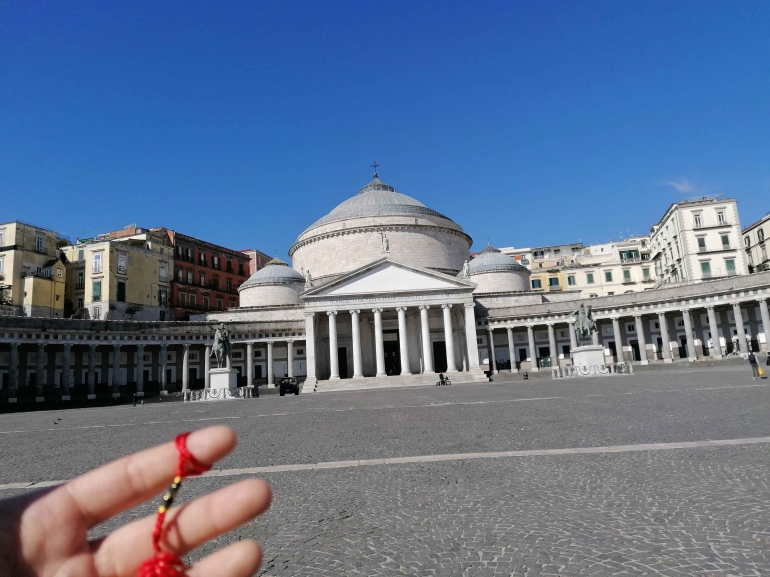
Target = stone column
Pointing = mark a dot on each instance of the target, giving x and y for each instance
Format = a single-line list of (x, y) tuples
[(618, 339), (13, 368), (427, 348), (511, 349), (552, 345), (532, 352), (163, 364), (334, 364), (40, 366), (379, 347), (688, 333), (572, 336), (91, 378), (290, 358), (664, 338), (449, 340), (270, 370), (739, 328), (716, 346), (115, 371), (355, 325), (765, 321), (186, 367), (470, 337), (65, 371), (642, 343), (140, 370), (492, 357), (207, 368), (403, 342), (310, 380), (249, 364)]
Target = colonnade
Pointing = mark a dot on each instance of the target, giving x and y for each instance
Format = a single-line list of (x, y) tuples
[(404, 341), (663, 316)]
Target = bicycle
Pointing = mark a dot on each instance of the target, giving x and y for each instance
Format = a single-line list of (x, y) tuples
[(443, 381)]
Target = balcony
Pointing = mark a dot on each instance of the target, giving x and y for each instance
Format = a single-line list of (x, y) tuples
[(704, 226), (630, 260), (554, 287), (723, 248), (80, 285)]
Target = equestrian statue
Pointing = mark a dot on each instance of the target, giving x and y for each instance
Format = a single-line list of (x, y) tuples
[(585, 326), (221, 347)]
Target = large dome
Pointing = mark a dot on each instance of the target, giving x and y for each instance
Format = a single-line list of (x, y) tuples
[(493, 271), (380, 222), (377, 199), (275, 284)]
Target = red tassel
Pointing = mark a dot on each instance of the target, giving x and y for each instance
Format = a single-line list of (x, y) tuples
[(164, 564)]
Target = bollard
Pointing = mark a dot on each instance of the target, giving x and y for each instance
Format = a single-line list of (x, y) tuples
[(134, 399)]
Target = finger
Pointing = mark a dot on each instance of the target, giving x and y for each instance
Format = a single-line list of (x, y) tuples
[(122, 484), (237, 560), (186, 527)]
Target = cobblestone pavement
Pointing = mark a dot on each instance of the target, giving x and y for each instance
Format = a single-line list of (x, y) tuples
[(697, 511)]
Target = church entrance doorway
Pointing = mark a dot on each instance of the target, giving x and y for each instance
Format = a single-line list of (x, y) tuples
[(635, 351), (392, 358), (342, 362), (439, 356)]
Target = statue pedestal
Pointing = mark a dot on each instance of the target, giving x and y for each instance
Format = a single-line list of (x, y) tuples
[(223, 378), (588, 356)]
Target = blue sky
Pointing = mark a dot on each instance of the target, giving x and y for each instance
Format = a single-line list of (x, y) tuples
[(529, 123)]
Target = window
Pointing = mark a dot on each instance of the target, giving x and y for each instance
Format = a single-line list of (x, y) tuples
[(59, 273), (202, 258), (81, 254), (215, 262), (2, 238), (179, 252), (592, 296), (189, 277), (646, 273), (1, 266), (536, 284), (721, 217), (98, 313), (553, 282), (760, 235), (571, 280), (81, 281), (79, 303), (697, 220), (121, 291), (730, 266), (589, 278), (229, 266), (162, 298), (626, 275), (608, 276), (232, 303), (163, 271), (189, 254), (215, 282), (705, 268), (205, 303), (764, 253), (220, 304), (193, 300), (122, 263), (203, 279), (229, 284), (240, 268), (725, 241), (609, 294), (182, 299), (96, 291), (97, 263), (701, 243), (180, 274), (39, 243), (747, 241)]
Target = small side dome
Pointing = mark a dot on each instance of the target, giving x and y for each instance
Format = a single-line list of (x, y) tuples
[(493, 271), (274, 284)]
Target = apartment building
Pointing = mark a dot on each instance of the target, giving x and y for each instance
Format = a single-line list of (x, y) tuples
[(754, 243), (32, 274), (123, 278), (698, 239)]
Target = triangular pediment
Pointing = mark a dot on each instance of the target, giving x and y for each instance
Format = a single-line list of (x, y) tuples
[(386, 276)]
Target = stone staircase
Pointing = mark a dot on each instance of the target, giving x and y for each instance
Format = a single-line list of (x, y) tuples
[(393, 382)]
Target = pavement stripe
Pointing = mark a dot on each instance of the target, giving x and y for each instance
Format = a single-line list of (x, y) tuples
[(379, 408), (451, 457)]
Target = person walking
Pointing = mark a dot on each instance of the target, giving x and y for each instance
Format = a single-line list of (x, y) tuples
[(754, 365)]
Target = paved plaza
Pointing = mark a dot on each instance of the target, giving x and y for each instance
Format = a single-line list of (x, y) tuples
[(603, 476)]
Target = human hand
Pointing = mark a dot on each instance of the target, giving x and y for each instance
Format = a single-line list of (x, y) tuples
[(45, 533)]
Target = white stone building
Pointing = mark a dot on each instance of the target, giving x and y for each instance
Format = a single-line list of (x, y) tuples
[(698, 239), (755, 244)]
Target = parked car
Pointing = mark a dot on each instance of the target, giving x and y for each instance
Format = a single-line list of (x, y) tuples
[(288, 385)]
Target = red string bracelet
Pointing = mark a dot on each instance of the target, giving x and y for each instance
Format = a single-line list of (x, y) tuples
[(163, 563)]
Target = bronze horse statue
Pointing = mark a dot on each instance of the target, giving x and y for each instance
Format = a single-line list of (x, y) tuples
[(221, 347)]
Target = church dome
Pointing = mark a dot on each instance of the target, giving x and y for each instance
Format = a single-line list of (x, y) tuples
[(380, 222), (493, 271), (377, 199), (274, 284)]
